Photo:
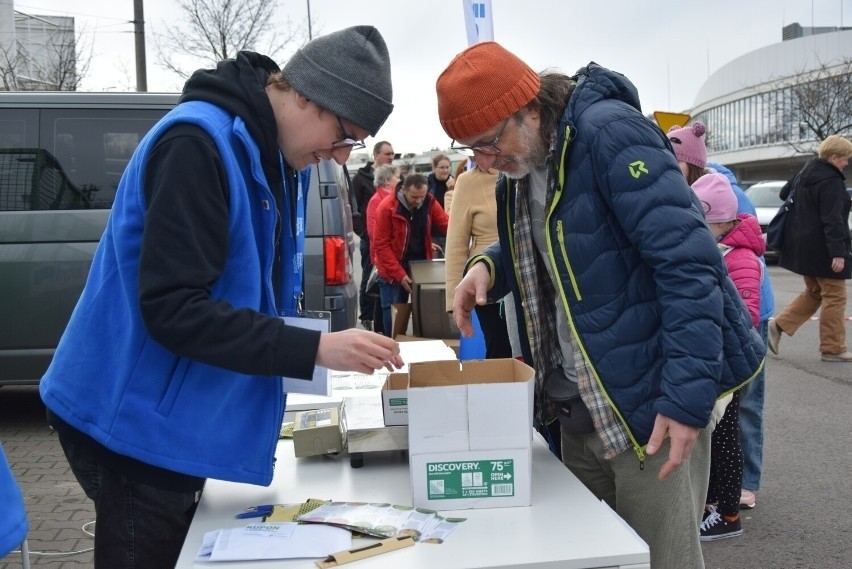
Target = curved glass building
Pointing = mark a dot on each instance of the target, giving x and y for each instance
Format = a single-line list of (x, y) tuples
[(761, 107)]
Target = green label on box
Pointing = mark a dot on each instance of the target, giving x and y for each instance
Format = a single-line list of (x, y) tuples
[(398, 401), (470, 479)]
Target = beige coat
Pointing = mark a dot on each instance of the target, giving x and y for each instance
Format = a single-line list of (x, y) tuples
[(473, 223)]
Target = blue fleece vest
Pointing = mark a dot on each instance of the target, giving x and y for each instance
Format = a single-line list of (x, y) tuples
[(112, 381), (13, 517)]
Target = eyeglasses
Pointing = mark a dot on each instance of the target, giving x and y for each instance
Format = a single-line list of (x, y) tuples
[(348, 141), (489, 149)]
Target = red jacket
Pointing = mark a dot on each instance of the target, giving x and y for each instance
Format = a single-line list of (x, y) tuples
[(389, 242), (381, 193)]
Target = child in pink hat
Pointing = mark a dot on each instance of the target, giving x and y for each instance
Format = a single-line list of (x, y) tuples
[(690, 149), (741, 244)]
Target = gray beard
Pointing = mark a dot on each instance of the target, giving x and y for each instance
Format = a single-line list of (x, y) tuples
[(534, 153)]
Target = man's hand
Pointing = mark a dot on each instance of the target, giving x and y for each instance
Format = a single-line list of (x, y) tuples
[(837, 264), (406, 283), (682, 438), (358, 350), (472, 291)]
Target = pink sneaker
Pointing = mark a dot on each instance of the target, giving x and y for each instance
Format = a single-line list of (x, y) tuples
[(747, 499)]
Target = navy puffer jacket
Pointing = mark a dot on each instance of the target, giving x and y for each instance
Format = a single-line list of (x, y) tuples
[(642, 280)]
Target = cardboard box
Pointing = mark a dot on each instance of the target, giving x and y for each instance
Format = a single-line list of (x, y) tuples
[(470, 433), (429, 310), (319, 431), (429, 300), (400, 320), (395, 399)]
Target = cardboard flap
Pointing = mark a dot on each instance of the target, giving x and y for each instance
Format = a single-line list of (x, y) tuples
[(383, 546), (400, 315), (431, 374), (488, 371), (523, 372), (396, 381)]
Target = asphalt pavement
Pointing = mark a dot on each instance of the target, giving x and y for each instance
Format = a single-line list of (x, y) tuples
[(801, 520)]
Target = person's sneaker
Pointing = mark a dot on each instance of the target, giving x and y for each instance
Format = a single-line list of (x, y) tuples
[(774, 337), (715, 526), (747, 499), (841, 357), (367, 325)]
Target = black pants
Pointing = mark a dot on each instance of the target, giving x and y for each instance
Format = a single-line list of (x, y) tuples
[(366, 303), (494, 331), (138, 526), (726, 461)]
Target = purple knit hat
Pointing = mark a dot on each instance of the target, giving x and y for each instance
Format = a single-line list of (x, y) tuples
[(688, 143), (717, 197)]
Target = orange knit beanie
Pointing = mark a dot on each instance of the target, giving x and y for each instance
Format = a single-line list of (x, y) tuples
[(483, 85)]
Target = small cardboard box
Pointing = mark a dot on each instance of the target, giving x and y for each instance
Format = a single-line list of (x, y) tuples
[(395, 399), (470, 433), (319, 431)]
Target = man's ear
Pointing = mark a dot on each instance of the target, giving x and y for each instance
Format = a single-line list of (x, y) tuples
[(301, 101), (532, 113)]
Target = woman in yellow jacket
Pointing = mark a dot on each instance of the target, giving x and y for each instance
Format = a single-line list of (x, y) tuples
[(473, 227)]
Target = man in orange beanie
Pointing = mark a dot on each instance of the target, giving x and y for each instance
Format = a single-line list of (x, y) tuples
[(628, 318)]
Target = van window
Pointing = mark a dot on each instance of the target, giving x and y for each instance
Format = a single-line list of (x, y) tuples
[(18, 130), (92, 148)]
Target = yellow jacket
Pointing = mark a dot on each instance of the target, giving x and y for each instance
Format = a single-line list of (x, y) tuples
[(473, 223)]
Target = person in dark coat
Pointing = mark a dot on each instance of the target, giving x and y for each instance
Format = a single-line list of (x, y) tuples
[(817, 246), (362, 190), (440, 181)]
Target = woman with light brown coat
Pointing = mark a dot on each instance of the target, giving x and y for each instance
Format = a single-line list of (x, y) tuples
[(473, 227)]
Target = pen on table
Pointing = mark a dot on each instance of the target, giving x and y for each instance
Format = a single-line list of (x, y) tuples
[(256, 511)]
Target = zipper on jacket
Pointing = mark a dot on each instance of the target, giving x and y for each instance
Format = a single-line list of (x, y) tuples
[(637, 448), (561, 237), (276, 231)]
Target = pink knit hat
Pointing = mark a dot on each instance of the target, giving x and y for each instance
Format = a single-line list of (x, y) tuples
[(717, 197), (688, 143)]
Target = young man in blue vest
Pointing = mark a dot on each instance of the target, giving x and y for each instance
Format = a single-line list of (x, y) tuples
[(170, 369)]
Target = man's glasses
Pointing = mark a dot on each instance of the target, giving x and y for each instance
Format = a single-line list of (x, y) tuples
[(489, 149), (348, 141)]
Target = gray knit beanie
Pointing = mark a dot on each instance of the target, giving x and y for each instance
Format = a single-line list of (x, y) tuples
[(348, 73)]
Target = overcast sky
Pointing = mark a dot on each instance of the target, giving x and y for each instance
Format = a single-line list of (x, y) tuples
[(667, 48)]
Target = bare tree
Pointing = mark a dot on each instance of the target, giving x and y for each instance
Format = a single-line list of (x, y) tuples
[(214, 30), (811, 105), (60, 65)]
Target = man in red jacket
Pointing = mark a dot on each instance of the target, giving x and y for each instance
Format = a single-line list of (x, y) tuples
[(403, 234)]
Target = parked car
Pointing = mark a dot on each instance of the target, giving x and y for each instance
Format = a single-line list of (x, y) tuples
[(764, 196), (61, 158)]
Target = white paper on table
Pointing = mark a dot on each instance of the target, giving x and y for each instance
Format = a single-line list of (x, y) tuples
[(319, 383), (279, 540)]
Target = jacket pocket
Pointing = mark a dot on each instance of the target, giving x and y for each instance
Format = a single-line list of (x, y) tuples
[(176, 382)]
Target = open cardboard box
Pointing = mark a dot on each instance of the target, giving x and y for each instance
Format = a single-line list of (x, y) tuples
[(470, 433), (400, 319)]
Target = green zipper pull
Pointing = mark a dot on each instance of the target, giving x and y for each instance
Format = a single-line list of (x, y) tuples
[(641, 454)]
